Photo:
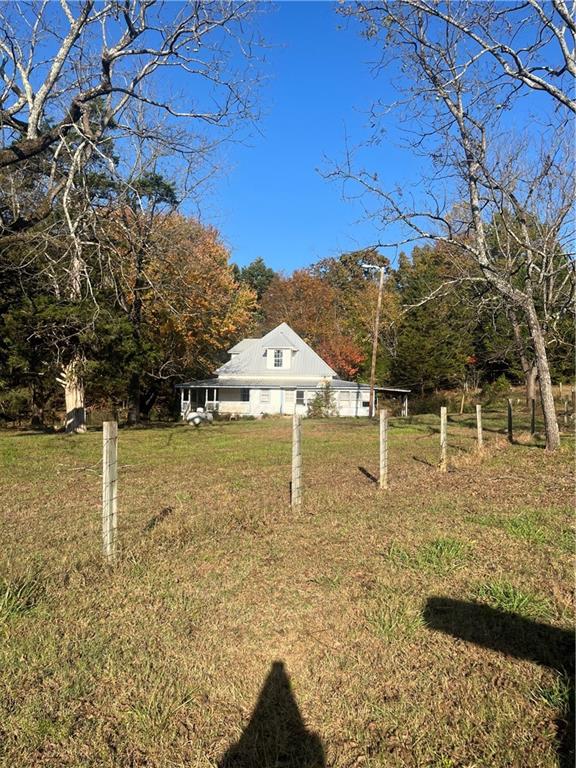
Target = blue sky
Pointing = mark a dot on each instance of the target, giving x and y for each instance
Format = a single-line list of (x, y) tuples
[(273, 202)]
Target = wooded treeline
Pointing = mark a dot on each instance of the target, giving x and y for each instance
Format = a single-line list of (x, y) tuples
[(175, 318)]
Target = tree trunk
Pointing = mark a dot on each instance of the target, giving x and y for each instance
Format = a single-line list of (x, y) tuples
[(531, 375), (147, 402), (134, 400), (529, 368), (37, 401), (73, 384), (546, 393)]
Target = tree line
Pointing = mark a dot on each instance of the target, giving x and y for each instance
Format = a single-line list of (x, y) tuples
[(172, 306)]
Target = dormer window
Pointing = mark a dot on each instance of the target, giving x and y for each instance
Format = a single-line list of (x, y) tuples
[(278, 358)]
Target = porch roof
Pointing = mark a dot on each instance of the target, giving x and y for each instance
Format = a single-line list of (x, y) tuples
[(266, 383)]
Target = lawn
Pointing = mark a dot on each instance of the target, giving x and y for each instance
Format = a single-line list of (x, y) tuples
[(426, 625)]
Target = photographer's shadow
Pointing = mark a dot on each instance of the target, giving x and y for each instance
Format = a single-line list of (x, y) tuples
[(275, 736)]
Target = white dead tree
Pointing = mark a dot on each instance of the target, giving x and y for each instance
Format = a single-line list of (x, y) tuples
[(70, 77), (502, 202)]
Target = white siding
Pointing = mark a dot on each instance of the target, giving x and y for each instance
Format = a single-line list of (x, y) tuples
[(281, 401), (230, 401)]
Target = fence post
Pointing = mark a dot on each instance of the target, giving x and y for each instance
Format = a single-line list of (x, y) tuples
[(532, 416), (296, 496), (566, 412), (479, 426), (383, 448), (443, 431), (560, 390), (109, 488), (510, 430)]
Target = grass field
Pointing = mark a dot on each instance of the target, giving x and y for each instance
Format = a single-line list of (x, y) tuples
[(427, 625)]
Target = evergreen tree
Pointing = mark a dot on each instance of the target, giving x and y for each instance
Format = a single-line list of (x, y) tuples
[(435, 339)]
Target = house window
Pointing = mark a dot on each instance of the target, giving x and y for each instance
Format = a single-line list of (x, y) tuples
[(186, 395), (245, 395), (365, 403), (278, 358), (264, 395), (299, 397)]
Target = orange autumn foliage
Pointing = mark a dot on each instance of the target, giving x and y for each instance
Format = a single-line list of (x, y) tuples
[(311, 307), (198, 307)]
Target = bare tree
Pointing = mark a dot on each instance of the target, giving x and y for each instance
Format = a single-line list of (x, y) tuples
[(71, 79), (514, 225), (545, 60)]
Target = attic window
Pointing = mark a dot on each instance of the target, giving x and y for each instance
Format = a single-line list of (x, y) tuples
[(278, 358)]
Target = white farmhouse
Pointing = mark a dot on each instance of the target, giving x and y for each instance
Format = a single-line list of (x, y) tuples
[(277, 374)]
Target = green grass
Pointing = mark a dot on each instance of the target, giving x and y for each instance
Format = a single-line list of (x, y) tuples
[(438, 556), (526, 527), (555, 694), (160, 661), (20, 595), (542, 527), (506, 597), (395, 618)]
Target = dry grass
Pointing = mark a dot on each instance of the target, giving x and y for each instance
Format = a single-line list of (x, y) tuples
[(160, 661)]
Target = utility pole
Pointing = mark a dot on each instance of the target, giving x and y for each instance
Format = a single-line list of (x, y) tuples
[(375, 339)]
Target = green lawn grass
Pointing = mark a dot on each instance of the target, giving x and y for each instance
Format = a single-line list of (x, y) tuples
[(160, 660)]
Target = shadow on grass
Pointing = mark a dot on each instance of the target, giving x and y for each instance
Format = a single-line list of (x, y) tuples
[(275, 734), (425, 461), (369, 475), (515, 636), (157, 519)]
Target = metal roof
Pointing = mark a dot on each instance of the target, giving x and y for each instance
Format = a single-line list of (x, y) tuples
[(250, 359), (241, 346), (263, 382)]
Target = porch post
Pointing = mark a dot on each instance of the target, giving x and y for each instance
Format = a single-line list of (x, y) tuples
[(405, 408), (181, 401)]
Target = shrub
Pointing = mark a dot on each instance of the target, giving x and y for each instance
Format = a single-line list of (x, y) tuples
[(323, 404), (497, 390)]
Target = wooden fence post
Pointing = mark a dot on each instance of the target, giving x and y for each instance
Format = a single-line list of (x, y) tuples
[(566, 412), (383, 449), (296, 496), (109, 488), (560, 390), (532, 416), (510, 429), (479, 426), (443, 435)]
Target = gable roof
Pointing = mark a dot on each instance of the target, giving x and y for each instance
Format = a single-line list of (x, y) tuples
[(250, 358), (241, 346)]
